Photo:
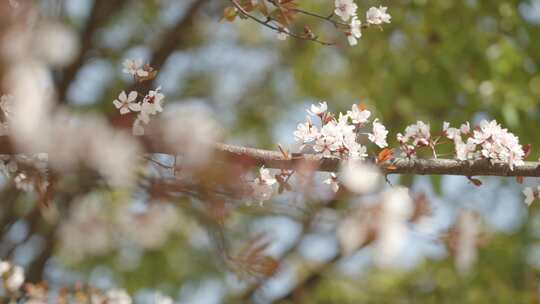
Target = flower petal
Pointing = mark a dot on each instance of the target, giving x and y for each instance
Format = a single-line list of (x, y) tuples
[(132, 96)]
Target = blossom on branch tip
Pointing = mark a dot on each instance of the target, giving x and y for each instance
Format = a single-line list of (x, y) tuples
[(379, 134), (378, 15), (152, 102), (127, 103), (345, 9), (465, 128), (357, 115), (306, 132), (498, 144), (357, 151), (339, 137), (318, 110), (151, 105), (451, 133), (325, 145), (465, 151), (419, 133), (355, 31), (134, 68)]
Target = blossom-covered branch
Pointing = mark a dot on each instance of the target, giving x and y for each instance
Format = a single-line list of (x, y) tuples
[(481, 167)]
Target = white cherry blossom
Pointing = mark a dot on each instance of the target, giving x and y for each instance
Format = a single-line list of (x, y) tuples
[(465, 128), (419, 133), (498, 144), (358, 116), (318, 110), (306, 132), (379, 134), (345, 9), (378, 15), (451, 133), (151, 105), (127, 103), (355, 31), (134, 68), (325, 145), (357, 151), (465, 151)]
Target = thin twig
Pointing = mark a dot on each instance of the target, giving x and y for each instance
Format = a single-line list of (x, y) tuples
[(275, 28)]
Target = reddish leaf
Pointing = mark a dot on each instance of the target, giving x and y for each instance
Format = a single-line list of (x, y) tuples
[(284, 152), (527, 150), (475, 181), (519, 179), (384, 155), (362, 106), (229, 13)]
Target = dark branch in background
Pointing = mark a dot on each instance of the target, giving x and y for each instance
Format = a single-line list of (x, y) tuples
[(306, 223), (309, 281), (175, 38), (102, 10)]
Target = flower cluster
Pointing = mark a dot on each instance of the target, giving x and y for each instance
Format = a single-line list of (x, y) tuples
[(346, 10), (339, 137), (487, 141), (139, 71), (13, 279), (150, 104), (40, 293), (416, 136)]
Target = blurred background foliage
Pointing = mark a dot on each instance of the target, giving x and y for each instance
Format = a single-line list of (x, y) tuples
[(437, 61)]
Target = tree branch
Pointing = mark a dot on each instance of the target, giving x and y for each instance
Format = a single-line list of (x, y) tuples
[(483, 167), (277, 160), (102, 11), (173, 39)]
